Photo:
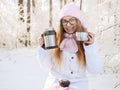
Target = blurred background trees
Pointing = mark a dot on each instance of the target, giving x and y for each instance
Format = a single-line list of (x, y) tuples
[(23, 21)]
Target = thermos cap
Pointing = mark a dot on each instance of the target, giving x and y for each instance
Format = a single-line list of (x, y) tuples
[(49, 31)]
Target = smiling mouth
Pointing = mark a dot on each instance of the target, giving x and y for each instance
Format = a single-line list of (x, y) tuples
[(70, 30)]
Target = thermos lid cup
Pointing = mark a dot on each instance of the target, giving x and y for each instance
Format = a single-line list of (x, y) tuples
[(81, 36), (64, 83)]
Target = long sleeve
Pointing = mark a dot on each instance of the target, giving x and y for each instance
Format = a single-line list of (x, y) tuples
[(93, 59), (45, 59)]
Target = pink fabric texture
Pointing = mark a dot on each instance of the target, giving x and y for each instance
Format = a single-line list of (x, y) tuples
[(59, 88), (69, 43), (70, 10)]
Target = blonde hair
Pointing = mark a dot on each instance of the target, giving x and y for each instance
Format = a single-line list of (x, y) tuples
[(80, 54)]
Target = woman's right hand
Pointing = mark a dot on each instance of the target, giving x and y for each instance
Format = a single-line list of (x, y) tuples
[(41, 41)]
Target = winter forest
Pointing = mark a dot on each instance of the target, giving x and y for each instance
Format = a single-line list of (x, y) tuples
[(23, 21)]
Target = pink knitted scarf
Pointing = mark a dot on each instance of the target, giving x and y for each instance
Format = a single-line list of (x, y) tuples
[(69, 43)]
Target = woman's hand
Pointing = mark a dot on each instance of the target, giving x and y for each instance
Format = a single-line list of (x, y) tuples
[(41, 41), (90, 39)]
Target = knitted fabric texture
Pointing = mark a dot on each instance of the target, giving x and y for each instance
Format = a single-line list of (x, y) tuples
[(71, 9), (69, 43)]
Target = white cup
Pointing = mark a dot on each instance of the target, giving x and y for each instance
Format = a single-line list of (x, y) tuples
[(81, 36)]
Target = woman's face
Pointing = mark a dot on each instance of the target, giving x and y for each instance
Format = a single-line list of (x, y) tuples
[(69, 24)]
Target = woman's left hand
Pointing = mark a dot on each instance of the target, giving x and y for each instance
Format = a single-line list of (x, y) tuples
[(90, 39)]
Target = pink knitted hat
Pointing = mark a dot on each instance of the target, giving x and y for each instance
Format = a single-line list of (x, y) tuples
[(73, 10)]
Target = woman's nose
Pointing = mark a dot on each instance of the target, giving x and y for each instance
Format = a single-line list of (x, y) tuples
[(68, 24)]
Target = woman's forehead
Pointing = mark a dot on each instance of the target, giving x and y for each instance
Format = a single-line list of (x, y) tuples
[(68, 17)]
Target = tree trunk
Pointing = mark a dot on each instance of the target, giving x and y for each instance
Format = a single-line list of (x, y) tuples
[(117, 27), (65, 1), (21, 10), (98, 1), (80, 4), (50, 16), (73, 0), (61, 3), (28, 23), (33, 5), (21, 18)]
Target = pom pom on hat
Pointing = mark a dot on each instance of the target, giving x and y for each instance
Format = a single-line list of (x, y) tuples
[(73, 10)]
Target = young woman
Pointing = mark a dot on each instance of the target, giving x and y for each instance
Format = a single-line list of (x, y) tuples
[(72, 58)]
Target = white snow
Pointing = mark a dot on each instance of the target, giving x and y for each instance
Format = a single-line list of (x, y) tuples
[(20, 70)]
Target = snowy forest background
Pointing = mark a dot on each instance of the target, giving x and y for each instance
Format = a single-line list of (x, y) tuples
[(23, 21)]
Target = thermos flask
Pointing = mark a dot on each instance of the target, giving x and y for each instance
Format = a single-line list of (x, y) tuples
[(49, 37)]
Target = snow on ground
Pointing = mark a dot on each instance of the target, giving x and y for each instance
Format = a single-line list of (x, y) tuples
[(20, 70)]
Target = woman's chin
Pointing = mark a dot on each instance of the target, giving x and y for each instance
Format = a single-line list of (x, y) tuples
[(70, 32)]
